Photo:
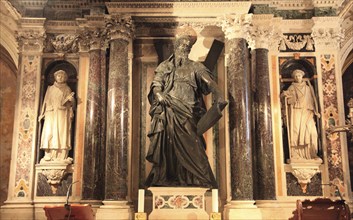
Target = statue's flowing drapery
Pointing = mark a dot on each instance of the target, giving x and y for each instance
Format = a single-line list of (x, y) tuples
[(176, 150)]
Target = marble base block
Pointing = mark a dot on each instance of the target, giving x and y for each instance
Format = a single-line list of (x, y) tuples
[(115, 210), (16, 210), (242, 210), (178, 203)]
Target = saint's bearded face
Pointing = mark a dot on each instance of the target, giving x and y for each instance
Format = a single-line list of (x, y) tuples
[(182, 48)]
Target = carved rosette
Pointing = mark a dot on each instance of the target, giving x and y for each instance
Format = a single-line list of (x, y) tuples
[(235, 25), (119, 27), (30, 40), (327, 33), (93, 39), (61, 43)]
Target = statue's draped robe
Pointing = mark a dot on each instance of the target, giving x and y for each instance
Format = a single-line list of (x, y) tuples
[(58, 114), (176, 150), (303, 131)]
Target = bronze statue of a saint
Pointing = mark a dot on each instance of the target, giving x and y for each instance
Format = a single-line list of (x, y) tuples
[(177, 147), (301, 108), (57, 112)]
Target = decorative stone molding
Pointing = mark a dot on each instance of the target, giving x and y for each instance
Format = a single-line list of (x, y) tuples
[(178, 9), (31, 35), (119, 27), (304, 4), (92, 39), (276, 35), (262, 31), (179, 201), (61, 43), (296, 42), (327, 33), (55, 172), (30, 40), (304, 172), (236, 25)]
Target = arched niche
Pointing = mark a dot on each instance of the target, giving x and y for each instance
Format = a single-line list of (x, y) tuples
[(306, 64), (48, 80)]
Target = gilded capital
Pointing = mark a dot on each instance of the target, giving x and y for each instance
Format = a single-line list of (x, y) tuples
[(119, 27)]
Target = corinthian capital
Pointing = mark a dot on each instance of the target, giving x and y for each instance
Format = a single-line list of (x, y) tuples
[(119, 27), (92, 39), (235, 25), (30, 40), (327, 33), (262, 31)]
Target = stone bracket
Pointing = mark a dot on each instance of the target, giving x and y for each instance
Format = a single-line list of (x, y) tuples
[(54, 172), (304, 172)]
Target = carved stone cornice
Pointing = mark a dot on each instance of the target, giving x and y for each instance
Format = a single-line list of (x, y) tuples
[(61, 43), (178, 9), (262, 31), (31, 35), (236, 25), (119, 27), (327, 33), (93, 39)]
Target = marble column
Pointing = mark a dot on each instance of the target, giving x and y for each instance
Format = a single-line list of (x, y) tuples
[(116, 193), (94, 148), (117, 122), (265, 188), (238, 77), (117, 138), (241, 206), (239, 113)]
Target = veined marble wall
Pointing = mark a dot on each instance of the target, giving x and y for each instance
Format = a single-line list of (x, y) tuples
[(8, 72)]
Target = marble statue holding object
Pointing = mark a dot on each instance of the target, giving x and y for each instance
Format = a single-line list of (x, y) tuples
[(301, 110), (177, 147), (57, 112)]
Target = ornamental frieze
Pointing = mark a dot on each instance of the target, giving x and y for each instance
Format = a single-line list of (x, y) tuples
[(296, 42), (61, 43)]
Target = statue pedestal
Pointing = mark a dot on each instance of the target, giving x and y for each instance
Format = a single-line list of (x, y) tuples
[(178, 203)]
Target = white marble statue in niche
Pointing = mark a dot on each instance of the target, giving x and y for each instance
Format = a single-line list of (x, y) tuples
[(57, 112), (301, 110)]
